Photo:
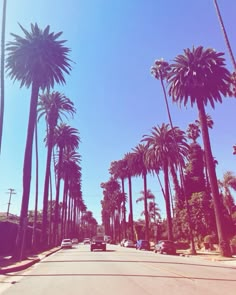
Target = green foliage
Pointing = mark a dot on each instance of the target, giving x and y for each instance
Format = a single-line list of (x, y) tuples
[(201, 217), (194, 171)]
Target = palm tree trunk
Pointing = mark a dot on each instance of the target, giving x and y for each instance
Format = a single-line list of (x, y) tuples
[(131, 209), (2, 85), (123, 214), (167, 202), (46, 190), (223, 243), (20, 245), (34, 243), (146, 208), (55, 242), (225, 34)]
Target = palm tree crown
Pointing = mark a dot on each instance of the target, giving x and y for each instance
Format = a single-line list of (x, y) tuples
[(199, 74), (37, 57)]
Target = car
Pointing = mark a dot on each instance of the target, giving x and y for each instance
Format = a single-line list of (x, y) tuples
[(165, 246), (98, 243), (129, 244), (122, 242), (86, 241), (143, 245), (107, 239), (75, 241), (66, 243)]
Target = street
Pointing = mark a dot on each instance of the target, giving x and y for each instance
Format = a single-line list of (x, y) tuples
[(120, 271)]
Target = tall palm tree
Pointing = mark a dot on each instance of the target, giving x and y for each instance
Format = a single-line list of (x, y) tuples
[(200, 76), (66, 138), (119, 170), (166, 147), (2, 82), (140, 168), (112, 201), (129, 159), (160, 71), (38, 60), (71, 173), (53, 106)]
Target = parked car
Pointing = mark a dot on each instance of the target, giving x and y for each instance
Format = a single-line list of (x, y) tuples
[(98, 243), (86, 241), (129, 244), (66, 243), (75, 241), (122, 242), (107, 239), (165, 246), (143, 245)]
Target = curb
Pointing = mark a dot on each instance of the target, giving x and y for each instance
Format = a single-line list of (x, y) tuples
[(26, 264), (19, 267)]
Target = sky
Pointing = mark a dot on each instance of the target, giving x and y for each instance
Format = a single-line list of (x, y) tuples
[(113, 45)]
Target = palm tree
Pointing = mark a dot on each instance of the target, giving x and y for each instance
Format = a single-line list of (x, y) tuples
[(160, 71), (66, 138), (112, 202), (140, 168), (226, 184), (2, 84), (53, 106), (166, 147), (118, 169), (199, 75), (129, 159), (71, 173), (151, 209), (38, 60), (149, 196)]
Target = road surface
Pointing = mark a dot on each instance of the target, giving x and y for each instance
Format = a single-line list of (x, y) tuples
[(120, 271)]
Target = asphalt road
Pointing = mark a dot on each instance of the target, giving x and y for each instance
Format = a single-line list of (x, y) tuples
[(120, 271)]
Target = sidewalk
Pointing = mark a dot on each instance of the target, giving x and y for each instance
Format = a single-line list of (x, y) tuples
[(211, 256), (8, 265)]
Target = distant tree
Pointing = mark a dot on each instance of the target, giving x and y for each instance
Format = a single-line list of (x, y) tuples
[(227, 184), (52, 106), (163, 145)]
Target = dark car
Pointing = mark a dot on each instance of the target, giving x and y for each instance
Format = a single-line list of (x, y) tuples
[(143, 245), (165, 246), (98, 243)]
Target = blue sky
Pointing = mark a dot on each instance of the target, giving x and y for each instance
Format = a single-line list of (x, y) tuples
[(114, 43)]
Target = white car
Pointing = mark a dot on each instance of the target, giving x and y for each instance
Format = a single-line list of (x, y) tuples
[(66, 243), (129, 244)]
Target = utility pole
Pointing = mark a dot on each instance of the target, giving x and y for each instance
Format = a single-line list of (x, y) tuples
[(11, 192)]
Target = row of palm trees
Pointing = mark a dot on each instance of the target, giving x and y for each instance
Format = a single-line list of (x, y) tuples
[(114, 202), (199, 76), (40, 60)]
